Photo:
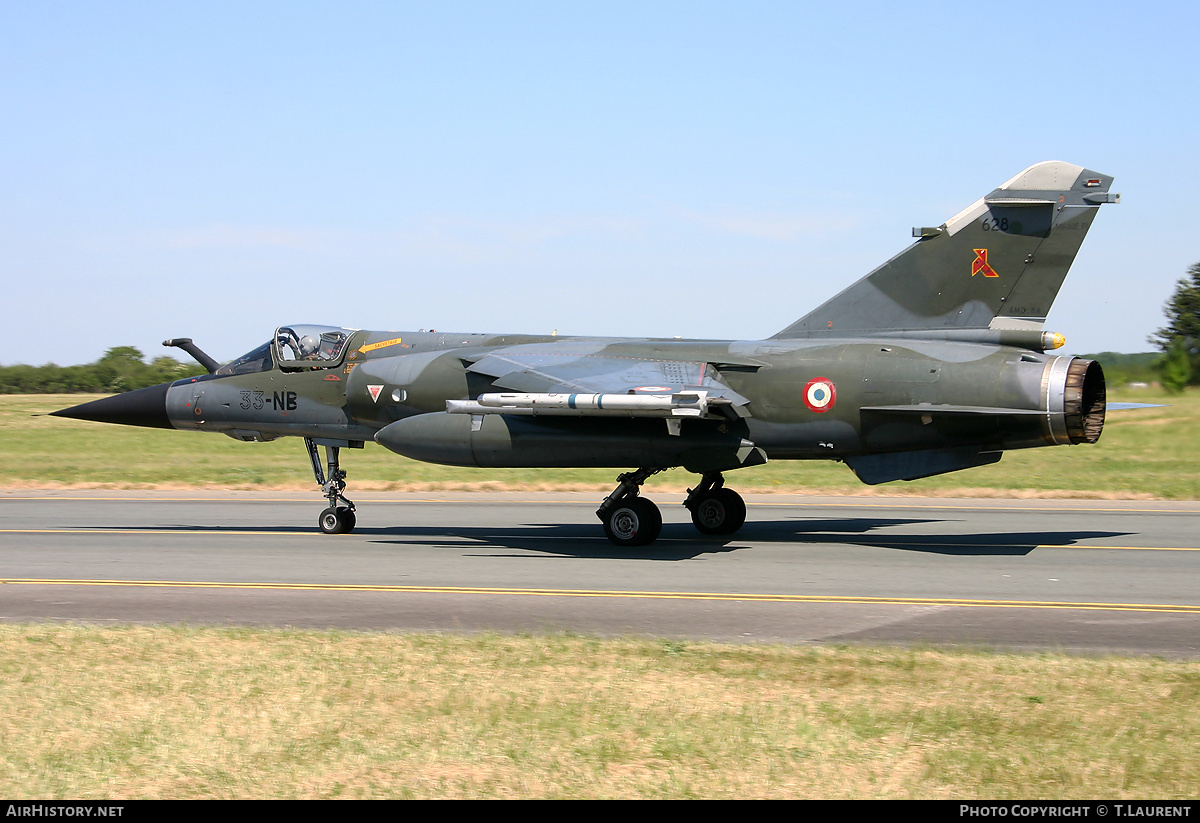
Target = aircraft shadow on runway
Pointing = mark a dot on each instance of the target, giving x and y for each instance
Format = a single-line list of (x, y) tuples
[(680, 541)]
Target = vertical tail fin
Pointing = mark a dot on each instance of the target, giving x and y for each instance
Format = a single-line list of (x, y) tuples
[(998, 264)]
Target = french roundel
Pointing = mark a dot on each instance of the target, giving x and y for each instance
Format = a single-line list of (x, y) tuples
[(820, 394)]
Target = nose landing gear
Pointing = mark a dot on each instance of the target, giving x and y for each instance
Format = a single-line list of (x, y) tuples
[(339, 517)]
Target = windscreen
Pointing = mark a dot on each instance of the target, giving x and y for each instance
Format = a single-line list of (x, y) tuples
[(252, 362)]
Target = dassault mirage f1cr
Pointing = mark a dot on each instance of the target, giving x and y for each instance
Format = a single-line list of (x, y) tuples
[(934, 362)]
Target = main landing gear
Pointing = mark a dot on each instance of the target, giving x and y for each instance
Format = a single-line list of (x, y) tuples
[(715, 509), (632, 520), (339, 517)]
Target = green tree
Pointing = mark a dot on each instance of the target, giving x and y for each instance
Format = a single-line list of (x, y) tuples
[(165, 369), (1183, 321), (129, 370), (1176, 367), (123, 355)]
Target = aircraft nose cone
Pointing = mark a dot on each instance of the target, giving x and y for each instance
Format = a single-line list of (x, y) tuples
[(141, 407)]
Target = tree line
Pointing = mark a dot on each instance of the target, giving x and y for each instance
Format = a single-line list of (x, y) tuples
[(1179, 340), (120, 369)]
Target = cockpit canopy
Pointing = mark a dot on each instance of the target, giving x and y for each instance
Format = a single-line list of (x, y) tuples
[(310, 344), (318, 347)]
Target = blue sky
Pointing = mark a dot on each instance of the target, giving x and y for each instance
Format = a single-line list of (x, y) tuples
[(213, 170)]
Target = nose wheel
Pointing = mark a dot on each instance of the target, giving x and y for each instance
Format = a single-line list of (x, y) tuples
[(337, 521), (339, 517)]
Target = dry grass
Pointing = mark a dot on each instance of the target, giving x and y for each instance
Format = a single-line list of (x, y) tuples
[(182, 712)]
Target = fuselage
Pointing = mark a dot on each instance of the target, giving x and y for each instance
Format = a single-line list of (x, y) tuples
[(872, 386)]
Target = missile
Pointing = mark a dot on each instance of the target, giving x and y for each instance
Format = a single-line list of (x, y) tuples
[(678, 404)]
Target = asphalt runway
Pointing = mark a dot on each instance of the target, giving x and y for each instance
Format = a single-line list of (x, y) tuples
[(1089, 577)]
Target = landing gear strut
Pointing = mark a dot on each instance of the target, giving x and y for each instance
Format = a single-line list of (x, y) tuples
[(339, 517), (630, 520), (715, 509)]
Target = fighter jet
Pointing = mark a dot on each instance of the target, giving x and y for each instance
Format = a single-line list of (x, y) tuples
[(936, 361)]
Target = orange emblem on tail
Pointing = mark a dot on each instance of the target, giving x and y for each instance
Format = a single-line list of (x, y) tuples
[(980, 265)]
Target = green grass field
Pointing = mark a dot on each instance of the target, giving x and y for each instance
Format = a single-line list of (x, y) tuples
[(1146, 453)]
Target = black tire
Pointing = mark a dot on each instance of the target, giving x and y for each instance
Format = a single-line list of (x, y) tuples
[(720, 511), (336, 521), (633, 522)]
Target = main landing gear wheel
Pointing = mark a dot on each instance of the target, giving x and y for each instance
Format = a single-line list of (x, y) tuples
[(630, 520), (337, 521), (719, 511), (715, 509), (635, 521)]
